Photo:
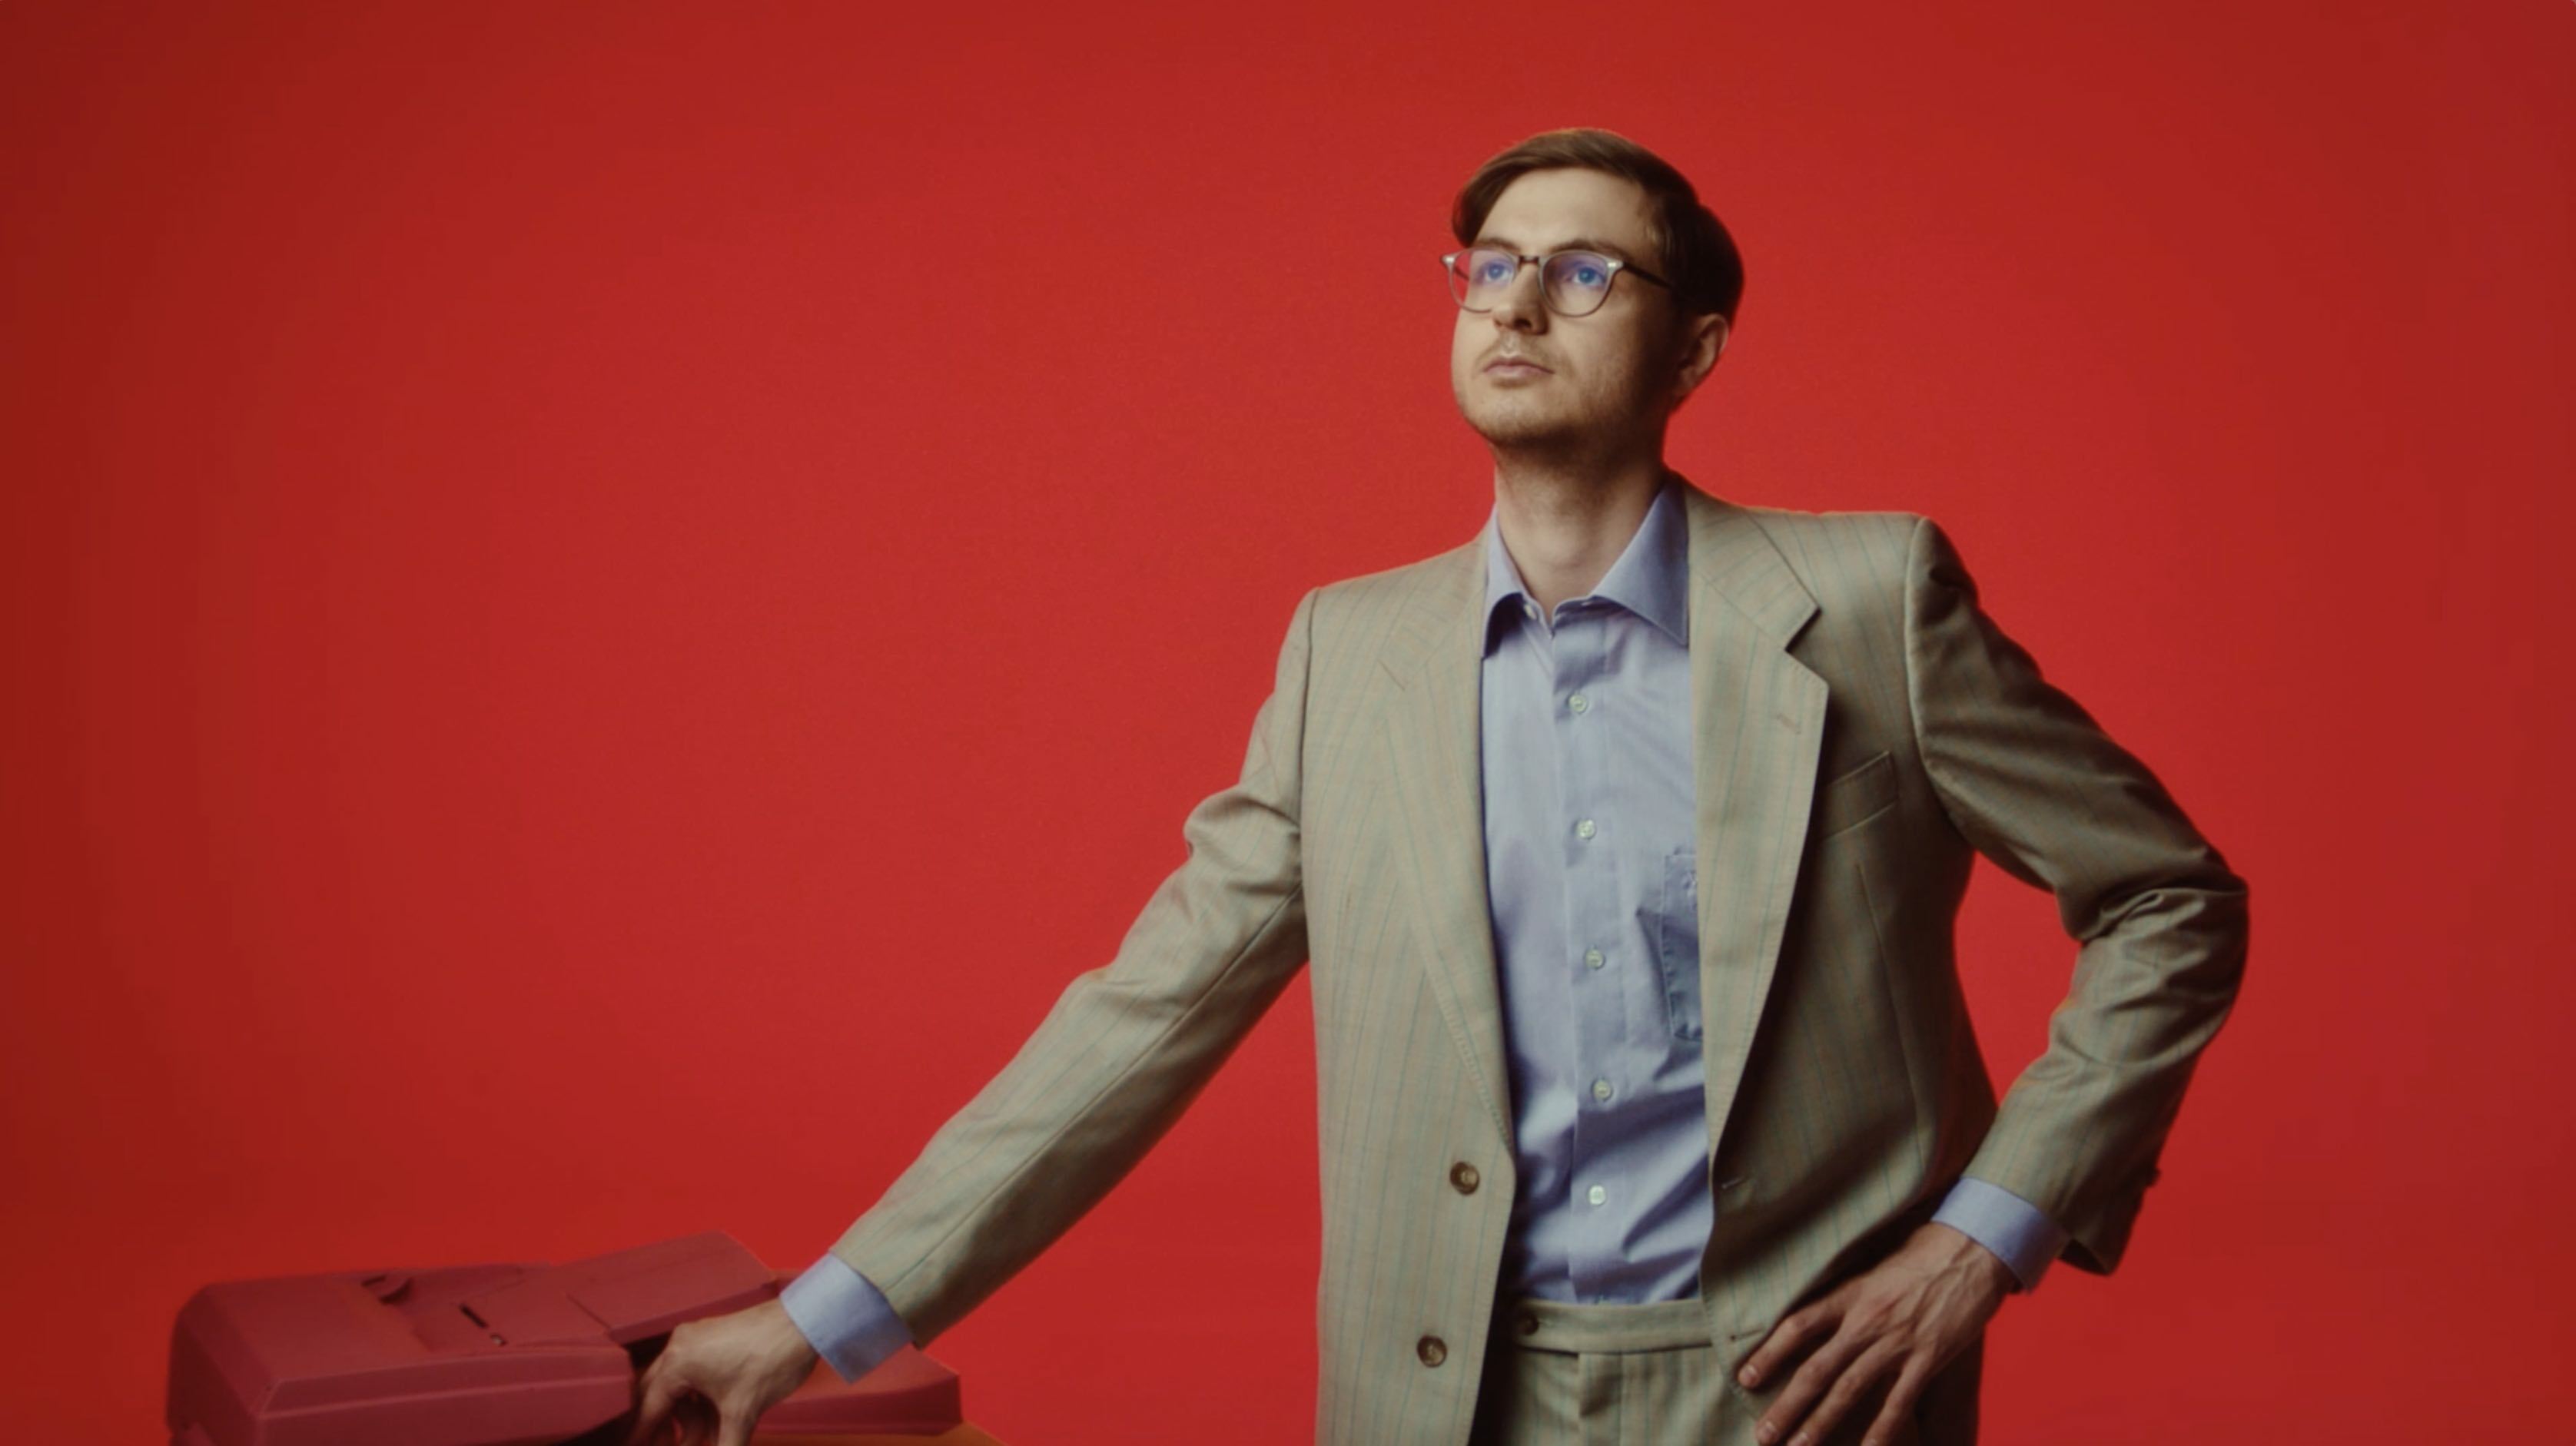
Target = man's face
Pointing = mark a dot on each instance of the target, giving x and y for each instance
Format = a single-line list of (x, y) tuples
[(1610, 374)]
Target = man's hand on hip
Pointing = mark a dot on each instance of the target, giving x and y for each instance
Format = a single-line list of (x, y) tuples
[(716, 1376), (1903, 1319)]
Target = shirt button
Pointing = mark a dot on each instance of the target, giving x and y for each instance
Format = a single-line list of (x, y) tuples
[(1530, 608), (1529, 1324), (1592, 958), (1431, 1350), (1601, 1089), (1584, 829), (1596, 1194), (1464, 1176), (1578, 702)]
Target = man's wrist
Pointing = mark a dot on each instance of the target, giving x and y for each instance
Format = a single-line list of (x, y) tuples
[(2018, 1232), (1981, 1259), (844, 1317), (791, 1335)]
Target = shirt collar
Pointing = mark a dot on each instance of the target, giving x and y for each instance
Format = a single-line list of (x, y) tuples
[(1648, 579)]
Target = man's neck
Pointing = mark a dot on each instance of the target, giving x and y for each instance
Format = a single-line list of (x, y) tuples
[(1564, 526)]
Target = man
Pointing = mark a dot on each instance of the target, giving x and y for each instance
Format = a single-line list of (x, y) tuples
[(1625, 843)]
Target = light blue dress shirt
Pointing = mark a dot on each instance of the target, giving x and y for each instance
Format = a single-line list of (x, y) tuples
[(1592, 881)]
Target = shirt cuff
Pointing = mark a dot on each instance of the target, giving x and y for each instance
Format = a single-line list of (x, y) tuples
[(844, 1316), (2014, 1229)]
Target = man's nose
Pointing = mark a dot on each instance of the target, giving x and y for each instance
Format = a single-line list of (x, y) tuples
[(1523, 305)]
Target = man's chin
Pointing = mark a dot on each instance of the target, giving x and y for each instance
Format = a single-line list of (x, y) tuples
[(1522, 431)]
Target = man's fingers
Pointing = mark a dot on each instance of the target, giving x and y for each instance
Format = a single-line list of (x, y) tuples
[(655, 1392), (733, 1428), (1859, 1379), (1799, 1393), (690, 1417), (1787, 1338), (1827, 1384), (1900, 1404)]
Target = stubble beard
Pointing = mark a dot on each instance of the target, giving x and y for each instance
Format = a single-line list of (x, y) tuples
[(1513, 428)]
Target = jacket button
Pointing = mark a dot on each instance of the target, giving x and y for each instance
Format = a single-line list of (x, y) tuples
[(1529, 1324), (1431, 1350), (1464, 1176)]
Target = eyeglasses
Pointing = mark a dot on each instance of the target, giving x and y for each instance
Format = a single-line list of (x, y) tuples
[(1572, 283)]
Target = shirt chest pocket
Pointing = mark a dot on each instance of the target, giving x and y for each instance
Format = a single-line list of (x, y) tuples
[(1672, 939)]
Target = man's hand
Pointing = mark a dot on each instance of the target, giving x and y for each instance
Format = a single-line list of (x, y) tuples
[(716, 1376), (1906, 1317)]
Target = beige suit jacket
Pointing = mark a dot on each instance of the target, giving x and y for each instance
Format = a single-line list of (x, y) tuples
[(1861, 726)]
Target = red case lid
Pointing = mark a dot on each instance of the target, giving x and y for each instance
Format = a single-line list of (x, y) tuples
[(492, 1355)]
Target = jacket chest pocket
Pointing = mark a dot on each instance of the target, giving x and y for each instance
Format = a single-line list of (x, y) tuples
[(1672, 936)]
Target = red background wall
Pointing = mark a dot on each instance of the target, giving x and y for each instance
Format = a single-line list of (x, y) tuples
[(602, 605)]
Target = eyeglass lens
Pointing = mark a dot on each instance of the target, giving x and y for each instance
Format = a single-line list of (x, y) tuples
[(1575, 282)]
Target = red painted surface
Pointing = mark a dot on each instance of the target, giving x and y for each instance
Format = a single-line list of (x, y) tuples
[(599, 606)]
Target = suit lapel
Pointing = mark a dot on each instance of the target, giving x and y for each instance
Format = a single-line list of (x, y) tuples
[(1435, 741), (1758, 719), (1757, 733)]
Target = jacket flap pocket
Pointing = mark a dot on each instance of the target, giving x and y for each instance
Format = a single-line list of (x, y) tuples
[(1856, 794)]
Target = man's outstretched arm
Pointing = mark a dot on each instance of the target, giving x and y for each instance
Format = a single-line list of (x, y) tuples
[(1126, 1048)]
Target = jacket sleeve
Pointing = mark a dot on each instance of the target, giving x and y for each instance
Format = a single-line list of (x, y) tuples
[(2031, 781), (1124, 1051)]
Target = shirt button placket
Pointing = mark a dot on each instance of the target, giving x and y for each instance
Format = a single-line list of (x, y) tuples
[(1592, 902)]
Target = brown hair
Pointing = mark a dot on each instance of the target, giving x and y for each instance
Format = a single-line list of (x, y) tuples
[(1695, 252)]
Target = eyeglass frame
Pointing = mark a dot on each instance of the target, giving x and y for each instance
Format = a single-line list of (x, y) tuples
[(1449, 266)]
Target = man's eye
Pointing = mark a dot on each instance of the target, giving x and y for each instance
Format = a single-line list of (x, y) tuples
[(1493, 270)]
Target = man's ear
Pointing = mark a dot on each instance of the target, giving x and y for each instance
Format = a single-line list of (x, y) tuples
[(1703, 344)]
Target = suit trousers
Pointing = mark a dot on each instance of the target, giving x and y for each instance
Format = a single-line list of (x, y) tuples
[(1559, 1373)]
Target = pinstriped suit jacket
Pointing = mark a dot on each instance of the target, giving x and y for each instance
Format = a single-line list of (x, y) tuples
[(1861, 725)]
